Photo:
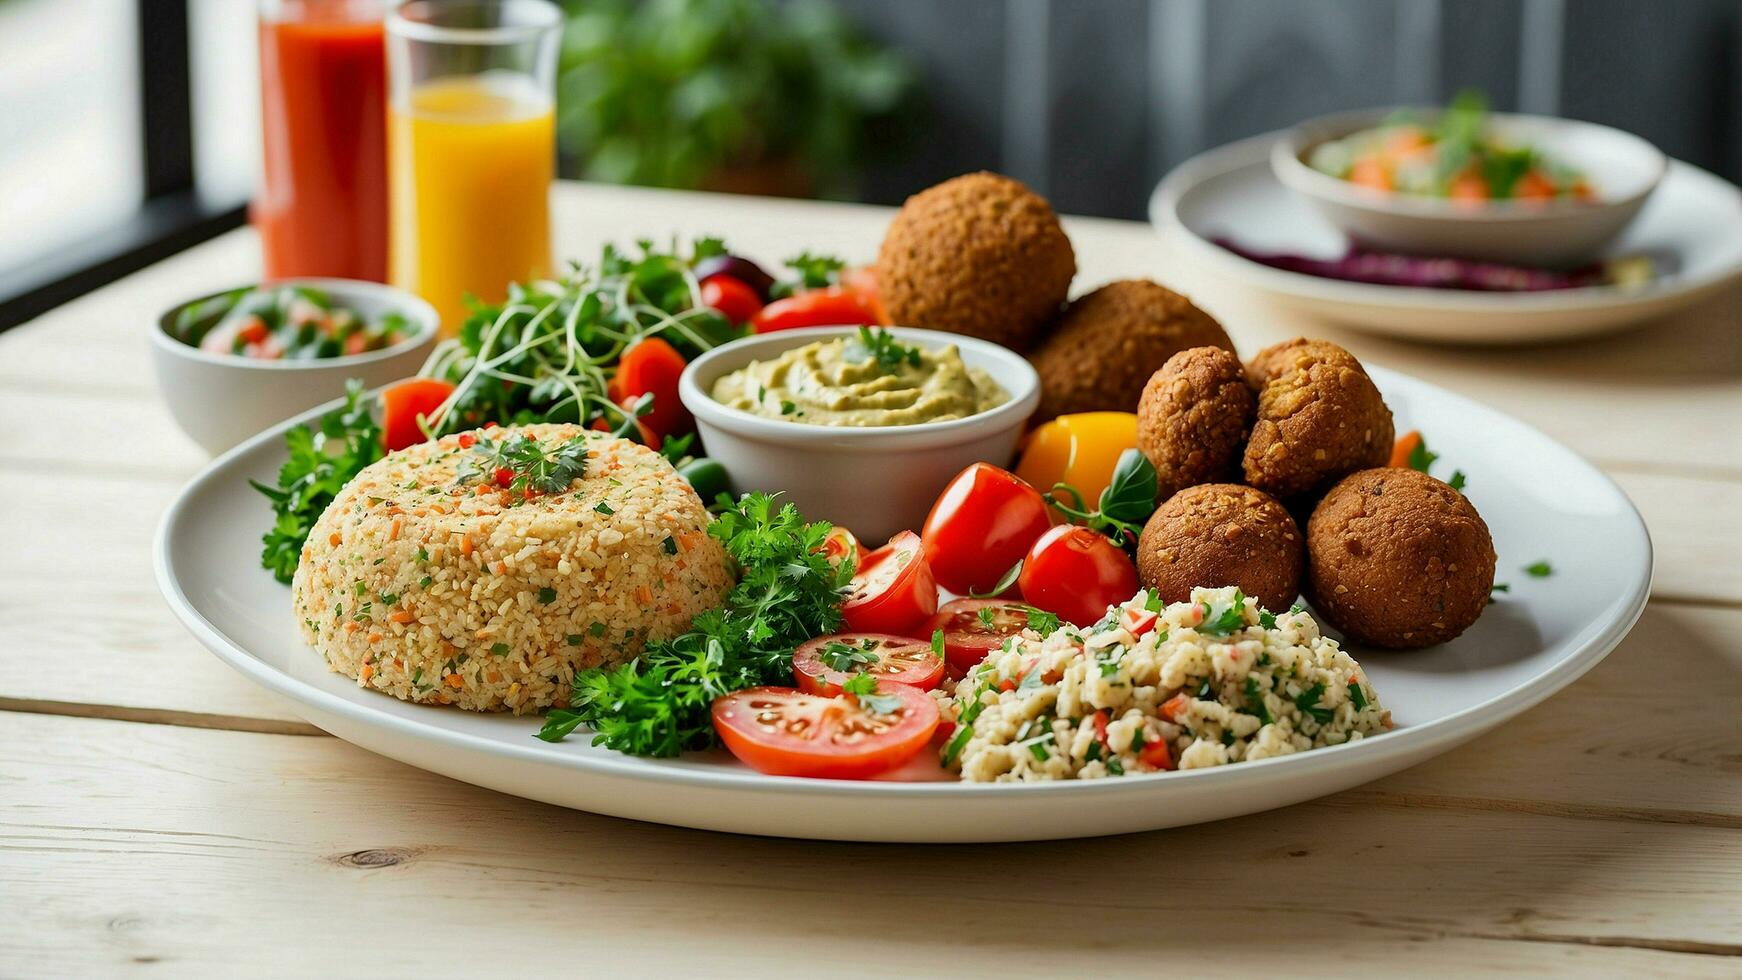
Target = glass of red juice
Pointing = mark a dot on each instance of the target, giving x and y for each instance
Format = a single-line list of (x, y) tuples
[(322, 205)]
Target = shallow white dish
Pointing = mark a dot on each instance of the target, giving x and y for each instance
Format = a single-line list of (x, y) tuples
[(1691, 226), (1622, 168), (875, 481), (221, 399), (1540, 500)]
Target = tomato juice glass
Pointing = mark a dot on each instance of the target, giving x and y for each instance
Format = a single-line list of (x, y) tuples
[(471, 147), (322, 205)]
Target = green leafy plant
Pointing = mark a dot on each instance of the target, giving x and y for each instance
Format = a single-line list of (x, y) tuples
[(680, 93), (322, 460)]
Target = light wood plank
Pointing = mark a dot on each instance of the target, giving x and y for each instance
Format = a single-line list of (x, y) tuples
[(317, 858)]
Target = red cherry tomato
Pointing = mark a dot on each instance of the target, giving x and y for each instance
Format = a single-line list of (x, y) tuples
[(1137, 621), (841, 546), (975, 627), (652, 366), (894, 589), (822, 665), (784, 732), (981, 526), (731, 297), (827, 307), (402, 403), (1077, 573)]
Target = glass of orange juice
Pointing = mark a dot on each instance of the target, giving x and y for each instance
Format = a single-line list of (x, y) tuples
[(471, 147)]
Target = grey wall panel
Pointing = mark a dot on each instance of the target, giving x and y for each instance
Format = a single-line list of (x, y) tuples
[(1098, 70), (959, 50), (1662, 70), (1270, 64), (1479, 49)]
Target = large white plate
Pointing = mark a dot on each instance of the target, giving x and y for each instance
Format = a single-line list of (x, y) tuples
[(1540, 500), (1692, 226)]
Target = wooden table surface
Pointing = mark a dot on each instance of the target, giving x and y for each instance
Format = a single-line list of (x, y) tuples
[(163, 814)]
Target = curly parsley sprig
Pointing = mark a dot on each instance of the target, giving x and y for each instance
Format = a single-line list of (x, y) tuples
[(529, 465), (788, 592)]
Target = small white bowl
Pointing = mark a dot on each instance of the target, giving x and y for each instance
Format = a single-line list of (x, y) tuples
[(1622, 168), (221, 399), (877, 481)]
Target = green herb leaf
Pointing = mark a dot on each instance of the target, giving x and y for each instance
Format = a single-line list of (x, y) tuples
[(1042, 622), (845, 657), (1541, 569), (863, 688), (1003, 585), (1220, 621)]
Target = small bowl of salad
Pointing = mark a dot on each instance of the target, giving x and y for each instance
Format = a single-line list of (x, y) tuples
[(234, 362), (1463, 182)]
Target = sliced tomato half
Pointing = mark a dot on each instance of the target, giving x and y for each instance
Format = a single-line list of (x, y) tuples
[(402, 403), (786, 732), (893, 590), (822, 665), (975, 627)]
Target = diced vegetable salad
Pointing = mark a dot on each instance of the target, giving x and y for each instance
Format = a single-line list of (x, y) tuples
[(1455, 156), (284, 323)]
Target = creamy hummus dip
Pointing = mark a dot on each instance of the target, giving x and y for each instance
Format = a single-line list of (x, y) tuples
[(850, 382)]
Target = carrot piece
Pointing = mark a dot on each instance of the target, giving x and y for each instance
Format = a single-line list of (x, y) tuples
[(466, 545), (645, 594), (393, 529), (366, 673), (374, 637), (1406, 446), (1171, 708), (401, 616), (454, 681), (334, 539), (1371, 172)]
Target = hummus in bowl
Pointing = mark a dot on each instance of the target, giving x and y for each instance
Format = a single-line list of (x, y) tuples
[(870, 379), (880, 473)]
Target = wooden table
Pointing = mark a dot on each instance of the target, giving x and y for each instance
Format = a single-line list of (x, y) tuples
[(162, 813)]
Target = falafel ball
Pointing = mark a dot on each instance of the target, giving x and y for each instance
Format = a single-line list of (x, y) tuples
[(1108, 344), (1193, 419), (1219, 534), (1319, 418), (978, 254), (1397, 559)]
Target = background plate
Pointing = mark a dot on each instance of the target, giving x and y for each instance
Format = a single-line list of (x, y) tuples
[(1692, 226), (1540, 501)]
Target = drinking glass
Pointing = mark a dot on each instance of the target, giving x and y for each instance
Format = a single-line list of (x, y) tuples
[(471, 147)]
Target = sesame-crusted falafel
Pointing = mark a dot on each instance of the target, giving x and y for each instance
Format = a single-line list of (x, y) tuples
[(1319, 418), (1108, 344), (1221, 534), (1398, 559), (980, 255), (1193, 419)]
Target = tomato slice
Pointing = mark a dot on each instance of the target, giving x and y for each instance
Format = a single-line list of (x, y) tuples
[(831, 306), (1077, 573), (841, 546), (974, 628), (981, 526), (735, 300), (652, 366), (785, 732), (402, 403), (822, 665), (893, 590), (1137, 621)]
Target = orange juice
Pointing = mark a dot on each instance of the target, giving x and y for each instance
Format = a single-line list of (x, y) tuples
[(470, 162)]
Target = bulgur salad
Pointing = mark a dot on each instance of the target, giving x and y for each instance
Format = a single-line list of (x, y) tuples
[(1152, 687)]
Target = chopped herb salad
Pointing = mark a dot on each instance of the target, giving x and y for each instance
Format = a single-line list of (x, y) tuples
[(284, 323), (1151, 687)]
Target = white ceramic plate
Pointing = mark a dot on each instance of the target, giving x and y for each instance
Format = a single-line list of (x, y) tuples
[(1691, 226), (1540, 501)]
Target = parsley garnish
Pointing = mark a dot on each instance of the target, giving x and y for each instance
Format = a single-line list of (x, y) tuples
[(1357, 695), (1308, 701), (547, 595), (1267, 619), (788, 592), (957, 742), (863, 688), (1231, 617), (321, 461), (847, 658), (1255, 701), (532, 465), (985, 616), (669, 544), (499, 649), (1541, 569), (937, 643), (1420, 459), (881, 346), (1042, 622)]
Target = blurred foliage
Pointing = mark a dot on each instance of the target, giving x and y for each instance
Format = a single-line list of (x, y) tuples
[(725, 93)]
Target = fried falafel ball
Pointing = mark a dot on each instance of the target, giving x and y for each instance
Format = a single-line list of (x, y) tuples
[(1193, 419), (1319, 418), (1397, 559), (979, 254), (1108, 344), (1219, 534)]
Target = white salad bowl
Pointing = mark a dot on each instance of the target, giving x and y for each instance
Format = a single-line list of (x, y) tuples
[(876, 481), (1622, 169), (221, 399)]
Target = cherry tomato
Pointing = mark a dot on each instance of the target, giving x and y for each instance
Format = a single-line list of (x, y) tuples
[(893, 590), (841, 546), (1156, 754), (731, 297), (1137, 621), (1534, 186), (981, 526), (827, 307), (1077, 573), (890, 659), (975, 627), (402, 403), (652, 366), (864, 279), (785, 732)]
